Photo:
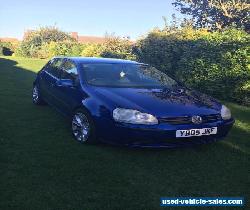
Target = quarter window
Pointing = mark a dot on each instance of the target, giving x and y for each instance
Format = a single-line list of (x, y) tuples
[(69, 70), (54, 67)]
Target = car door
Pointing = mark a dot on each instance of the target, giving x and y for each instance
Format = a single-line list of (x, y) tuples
[(49, 78), (43, 84), (68, 96)]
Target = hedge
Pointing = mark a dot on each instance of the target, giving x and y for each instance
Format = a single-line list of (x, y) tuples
[(7, 48), (216, 63)]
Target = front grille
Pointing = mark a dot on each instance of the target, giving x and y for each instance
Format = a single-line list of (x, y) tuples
[(188, 119)]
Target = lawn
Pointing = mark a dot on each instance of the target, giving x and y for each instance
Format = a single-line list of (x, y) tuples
[(42, 167)]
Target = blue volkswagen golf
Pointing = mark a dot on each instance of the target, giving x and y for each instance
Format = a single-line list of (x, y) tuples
[(128, 103)]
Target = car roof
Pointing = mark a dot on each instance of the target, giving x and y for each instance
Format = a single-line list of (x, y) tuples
[(99, 60)]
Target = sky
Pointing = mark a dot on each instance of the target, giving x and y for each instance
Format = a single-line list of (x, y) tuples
[(131, 18)]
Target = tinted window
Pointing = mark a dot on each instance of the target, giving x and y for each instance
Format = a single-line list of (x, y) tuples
[(54, 67), (69, 70)]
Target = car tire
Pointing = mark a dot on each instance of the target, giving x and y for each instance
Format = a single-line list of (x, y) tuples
[(36, 96), (82, 126)]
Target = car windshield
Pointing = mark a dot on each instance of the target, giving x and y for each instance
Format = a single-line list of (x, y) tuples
[(126, 75)]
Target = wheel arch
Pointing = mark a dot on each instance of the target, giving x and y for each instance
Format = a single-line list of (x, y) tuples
[(79, 107), (91, 118), (36, 81)]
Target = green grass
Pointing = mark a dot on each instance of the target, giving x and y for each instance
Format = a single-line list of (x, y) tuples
[(42, 167)]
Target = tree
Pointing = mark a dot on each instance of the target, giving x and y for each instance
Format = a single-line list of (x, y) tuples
[(46, 35), (216, 14), (92, 50), (35, 41), (113, 47), (117, 47)]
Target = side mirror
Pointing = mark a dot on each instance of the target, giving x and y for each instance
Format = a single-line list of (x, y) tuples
[(65, 83)]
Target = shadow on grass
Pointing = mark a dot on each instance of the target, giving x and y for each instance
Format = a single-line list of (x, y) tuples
[(43, 168)]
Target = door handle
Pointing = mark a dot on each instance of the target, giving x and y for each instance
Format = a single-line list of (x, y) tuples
[(58, 83)]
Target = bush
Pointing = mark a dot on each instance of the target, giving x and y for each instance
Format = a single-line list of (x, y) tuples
[(113, 47), (212, 62), (65, 48), (35, 42), (7, 48), (116, 47), (92, 50), (49, 41)]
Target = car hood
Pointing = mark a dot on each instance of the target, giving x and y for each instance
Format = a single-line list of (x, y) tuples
[(161, 102)]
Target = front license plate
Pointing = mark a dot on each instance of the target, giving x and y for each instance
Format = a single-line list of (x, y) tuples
[(196, 132)]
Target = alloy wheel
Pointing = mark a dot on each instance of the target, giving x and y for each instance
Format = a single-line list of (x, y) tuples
[(80, 127), (35, 94)]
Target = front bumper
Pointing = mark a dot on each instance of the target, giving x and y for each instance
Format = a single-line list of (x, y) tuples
[(162, 135)]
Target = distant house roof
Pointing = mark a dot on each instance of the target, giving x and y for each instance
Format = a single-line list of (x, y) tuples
[(87, 39), (8, 39), (81, 39), (91, 39)]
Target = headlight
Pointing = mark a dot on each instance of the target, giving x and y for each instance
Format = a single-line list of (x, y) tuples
[(133, 116), (225, 113)]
